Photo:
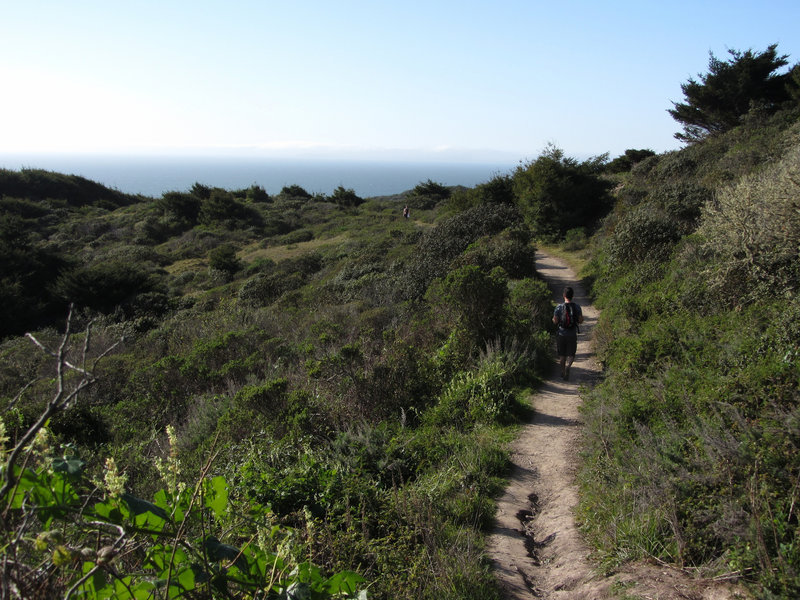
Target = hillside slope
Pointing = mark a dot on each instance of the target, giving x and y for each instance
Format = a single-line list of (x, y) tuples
[(693, 446)]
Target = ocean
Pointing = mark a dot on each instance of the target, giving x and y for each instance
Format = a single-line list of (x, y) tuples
[(152, 176)]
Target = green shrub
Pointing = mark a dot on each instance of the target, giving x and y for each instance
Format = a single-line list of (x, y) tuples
[(644, 234), (442, 244), (473, 397), (575, 239), (556, 193), (474, 297), (752, 229), (345, 197), (106, 285), (223, 258), (511, 250), (428, 194), (298, 236)]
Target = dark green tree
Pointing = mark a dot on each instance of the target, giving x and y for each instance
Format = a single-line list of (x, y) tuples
[(223, 258), (625, 162), (27, 273), (476, 298), (181, 207), (344, 197), (256, 193), (731, 89), (556, 193), (428, 194), (222, 209), (106, 285), (295, 191)]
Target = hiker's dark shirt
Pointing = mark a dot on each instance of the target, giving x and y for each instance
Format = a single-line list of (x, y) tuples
[(577, 313)]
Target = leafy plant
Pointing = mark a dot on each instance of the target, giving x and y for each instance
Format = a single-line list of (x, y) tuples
[(97, 540)]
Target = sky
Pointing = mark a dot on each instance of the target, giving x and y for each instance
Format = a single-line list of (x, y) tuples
[(459, 81)]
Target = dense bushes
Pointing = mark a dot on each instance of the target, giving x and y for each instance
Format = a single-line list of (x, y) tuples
[(354, 370), (751, 230), (26, 280), (442, 244), (691, 452), (36, 184), (105, 286)]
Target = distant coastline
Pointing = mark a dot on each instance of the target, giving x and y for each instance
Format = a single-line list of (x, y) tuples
[(154, 175)]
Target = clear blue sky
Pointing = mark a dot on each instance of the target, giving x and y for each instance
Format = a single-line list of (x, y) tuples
[(486, 81)]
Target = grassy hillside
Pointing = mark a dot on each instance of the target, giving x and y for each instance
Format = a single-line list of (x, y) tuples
[(693, 449), (307, 380)]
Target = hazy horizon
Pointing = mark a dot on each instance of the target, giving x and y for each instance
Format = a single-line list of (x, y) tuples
[(153, 175), (472, 82)]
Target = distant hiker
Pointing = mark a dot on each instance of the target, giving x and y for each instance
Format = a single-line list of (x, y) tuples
[(405, 211), (567, 316)]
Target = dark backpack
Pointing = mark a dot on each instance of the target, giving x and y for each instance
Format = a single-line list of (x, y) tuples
[(569, 318)]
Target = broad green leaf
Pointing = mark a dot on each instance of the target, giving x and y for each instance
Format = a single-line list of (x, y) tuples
[(346, 582), (71, 466), (62, 491), (160, 555), (110, 510), (217, 496), (28, 480), (139, 506), (146, 515), (186, 579), (143, 590), (217, 551)]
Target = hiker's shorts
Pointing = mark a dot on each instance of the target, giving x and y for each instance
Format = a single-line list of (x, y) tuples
[(567, 345)]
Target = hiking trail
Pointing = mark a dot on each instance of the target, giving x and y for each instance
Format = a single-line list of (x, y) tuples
[(536, 548)]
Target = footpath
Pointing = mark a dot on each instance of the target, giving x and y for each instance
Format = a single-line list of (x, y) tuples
[(536, 548)]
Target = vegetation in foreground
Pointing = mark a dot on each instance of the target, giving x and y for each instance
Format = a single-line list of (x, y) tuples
[(260, 395)]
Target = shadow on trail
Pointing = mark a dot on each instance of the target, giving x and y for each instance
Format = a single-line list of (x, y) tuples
[(555, 421)]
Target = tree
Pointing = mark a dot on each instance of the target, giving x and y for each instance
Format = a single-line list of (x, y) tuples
[(180, 207), (222, 209), (345, 197), (256, 193), (625, 162), (223, 258), (730, 89), (556, 193), (428, 194), (295, 191)]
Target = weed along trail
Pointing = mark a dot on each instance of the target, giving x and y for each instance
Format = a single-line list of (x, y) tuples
[(536, 548)]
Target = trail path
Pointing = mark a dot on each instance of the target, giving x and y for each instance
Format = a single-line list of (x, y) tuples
[(536, 547)]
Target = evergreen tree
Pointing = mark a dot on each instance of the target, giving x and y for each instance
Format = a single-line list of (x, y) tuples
[(730, 89)]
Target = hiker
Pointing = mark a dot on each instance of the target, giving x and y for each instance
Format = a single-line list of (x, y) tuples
[(405, 211), (567, 316)]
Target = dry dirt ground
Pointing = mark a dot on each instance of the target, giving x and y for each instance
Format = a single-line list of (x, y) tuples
[(536, 548)]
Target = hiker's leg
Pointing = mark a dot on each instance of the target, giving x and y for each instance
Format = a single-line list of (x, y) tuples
[(569, 361)]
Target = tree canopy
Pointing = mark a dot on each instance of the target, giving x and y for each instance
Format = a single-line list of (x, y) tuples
[(730, 90), (556, 193)]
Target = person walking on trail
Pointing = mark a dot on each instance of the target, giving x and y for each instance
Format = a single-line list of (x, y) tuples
[(567, 316), (406, 213)]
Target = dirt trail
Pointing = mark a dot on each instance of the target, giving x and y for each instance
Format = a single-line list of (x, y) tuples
[(536, 548)]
